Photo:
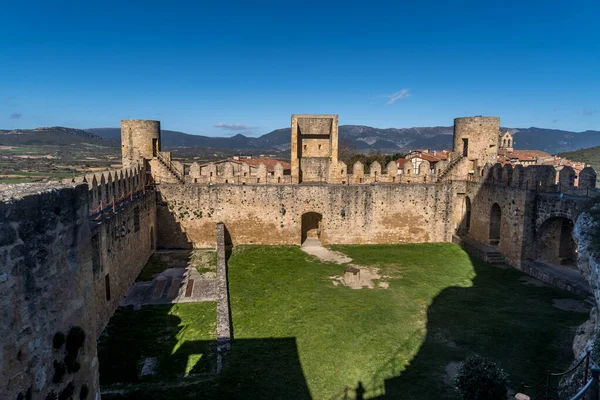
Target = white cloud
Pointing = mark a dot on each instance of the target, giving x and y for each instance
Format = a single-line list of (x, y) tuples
[(234, 127), (402, 94)]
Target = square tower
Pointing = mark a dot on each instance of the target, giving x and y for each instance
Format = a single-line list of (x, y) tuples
[(314, 147)]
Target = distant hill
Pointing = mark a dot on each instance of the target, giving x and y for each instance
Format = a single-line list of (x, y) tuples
[(362, 138), (366, 138), (589, 156), (553, 140), (53, 136)]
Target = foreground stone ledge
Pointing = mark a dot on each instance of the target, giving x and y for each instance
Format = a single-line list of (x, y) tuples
[(17, 191)]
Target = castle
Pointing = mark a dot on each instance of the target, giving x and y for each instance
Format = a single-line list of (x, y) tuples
[(70, 251)]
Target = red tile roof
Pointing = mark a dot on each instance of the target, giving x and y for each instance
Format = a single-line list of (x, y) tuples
[(442, 155), (427, 157), (400, 162), (524, 155), (269, 162)]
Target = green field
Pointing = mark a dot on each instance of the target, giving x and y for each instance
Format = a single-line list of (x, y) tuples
[(589, 156), (26, 177), (297, 335)]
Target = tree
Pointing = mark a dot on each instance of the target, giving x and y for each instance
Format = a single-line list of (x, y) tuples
[(480, 378)]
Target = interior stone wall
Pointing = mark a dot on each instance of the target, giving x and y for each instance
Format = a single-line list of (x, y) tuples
[(45, 288), (272, 214), (53, 263), (121, 253), (516, 224)]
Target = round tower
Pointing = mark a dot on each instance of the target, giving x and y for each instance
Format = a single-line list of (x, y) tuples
[(476, 138), (140, 140)]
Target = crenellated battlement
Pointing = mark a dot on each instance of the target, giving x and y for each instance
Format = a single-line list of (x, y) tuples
[(541, 177), (108, 188)]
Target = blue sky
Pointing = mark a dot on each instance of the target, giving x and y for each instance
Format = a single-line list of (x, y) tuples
[(219, 67)]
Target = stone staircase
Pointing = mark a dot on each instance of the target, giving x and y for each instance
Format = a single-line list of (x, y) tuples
[(494, 257), (487, 253), (172, 168), (453, 161)]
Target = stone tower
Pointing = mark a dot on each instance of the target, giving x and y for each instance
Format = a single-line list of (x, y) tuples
[(506, 141), (314, 147), (476, 139), (140, 140)]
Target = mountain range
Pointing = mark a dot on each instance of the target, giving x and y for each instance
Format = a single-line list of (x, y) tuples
[(389, 140), (361, 138)]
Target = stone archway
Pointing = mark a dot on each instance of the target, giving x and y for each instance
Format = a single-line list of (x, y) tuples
[(554, 242), (495, 224), (311, 226)]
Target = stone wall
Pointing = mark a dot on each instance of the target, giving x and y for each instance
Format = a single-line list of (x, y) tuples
[(517, 206), (46, 284), (54, 259), (121, 246), (272, 214)]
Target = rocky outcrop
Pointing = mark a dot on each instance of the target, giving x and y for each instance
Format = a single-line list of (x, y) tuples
[(587, 236)]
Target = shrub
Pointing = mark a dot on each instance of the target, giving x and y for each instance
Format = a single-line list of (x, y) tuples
[(479, 378)]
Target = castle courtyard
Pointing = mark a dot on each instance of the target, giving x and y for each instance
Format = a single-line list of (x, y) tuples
[(316, 283), (299, 331)]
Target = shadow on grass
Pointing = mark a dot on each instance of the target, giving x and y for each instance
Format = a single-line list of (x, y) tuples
[(513, 324), (499, 317), (154, 332), (185, 369)]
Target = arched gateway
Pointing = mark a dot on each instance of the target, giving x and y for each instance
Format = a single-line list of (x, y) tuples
[(554, 241), (311, 226)]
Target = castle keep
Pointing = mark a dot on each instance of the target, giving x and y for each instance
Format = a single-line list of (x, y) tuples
[(69, 252)]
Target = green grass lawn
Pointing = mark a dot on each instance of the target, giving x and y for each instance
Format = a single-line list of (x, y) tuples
[(181, 338), (204, 261), (296, 335)]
